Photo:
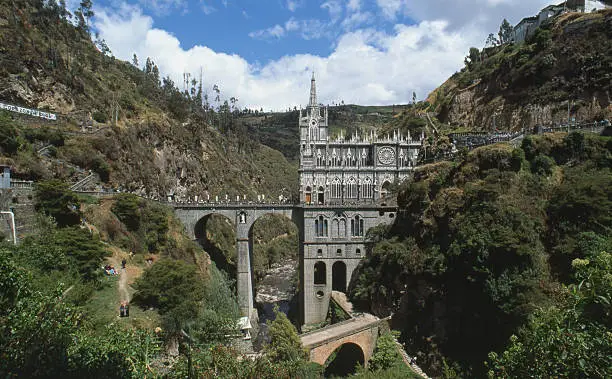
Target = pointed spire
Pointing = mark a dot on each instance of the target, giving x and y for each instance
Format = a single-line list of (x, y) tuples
[(313, 92)]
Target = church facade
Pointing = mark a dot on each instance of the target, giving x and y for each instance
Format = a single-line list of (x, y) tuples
[(344, 186)]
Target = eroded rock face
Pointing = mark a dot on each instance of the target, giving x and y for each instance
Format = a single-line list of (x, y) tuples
[(528, 84), (45, 93), (471, 108)]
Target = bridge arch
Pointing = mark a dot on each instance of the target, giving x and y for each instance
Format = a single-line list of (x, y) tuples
[(345, 360), (211, 243), (256, 233)]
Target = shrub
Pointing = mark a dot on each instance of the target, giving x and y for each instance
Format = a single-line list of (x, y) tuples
[(100, 117), (54, 198), (9, 136), (542, 165)]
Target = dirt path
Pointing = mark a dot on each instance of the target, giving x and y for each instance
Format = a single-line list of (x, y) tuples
[(124, 294), (127, 276)]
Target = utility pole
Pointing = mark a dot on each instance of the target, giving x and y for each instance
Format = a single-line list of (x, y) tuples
[(568, 115)]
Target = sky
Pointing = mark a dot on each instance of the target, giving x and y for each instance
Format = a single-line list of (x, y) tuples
[(263, 52)]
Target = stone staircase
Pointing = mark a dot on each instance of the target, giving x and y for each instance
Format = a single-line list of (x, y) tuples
[(409, 361), (81, 184)]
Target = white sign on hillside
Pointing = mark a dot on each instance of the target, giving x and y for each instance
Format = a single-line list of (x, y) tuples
[(27, 111)]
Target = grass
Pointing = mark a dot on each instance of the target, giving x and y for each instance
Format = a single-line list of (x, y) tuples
[(395, 372), (103, 308)]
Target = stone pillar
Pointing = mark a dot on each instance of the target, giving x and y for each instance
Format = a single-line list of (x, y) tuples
[(244, 284)]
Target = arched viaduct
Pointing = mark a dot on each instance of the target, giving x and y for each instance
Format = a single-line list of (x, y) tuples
[(243, 217), (331, 245)]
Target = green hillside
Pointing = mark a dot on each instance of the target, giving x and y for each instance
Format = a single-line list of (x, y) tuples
[(496, 245)]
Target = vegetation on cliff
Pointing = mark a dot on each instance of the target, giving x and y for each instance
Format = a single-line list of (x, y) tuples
[(154, 138), (530, 83), (482, 244)]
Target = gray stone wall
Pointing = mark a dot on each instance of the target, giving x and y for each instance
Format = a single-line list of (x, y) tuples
[(330, 249)]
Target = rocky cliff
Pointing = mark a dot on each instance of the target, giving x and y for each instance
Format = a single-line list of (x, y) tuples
[(137, 131), (523, 85)]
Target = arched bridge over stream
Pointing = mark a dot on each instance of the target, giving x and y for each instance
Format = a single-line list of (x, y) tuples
[(331, 244)]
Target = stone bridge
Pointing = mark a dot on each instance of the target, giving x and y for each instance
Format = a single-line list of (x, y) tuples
[(358, 335), (242, 217)]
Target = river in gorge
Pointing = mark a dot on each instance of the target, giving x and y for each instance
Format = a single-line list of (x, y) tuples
[(277, 288)]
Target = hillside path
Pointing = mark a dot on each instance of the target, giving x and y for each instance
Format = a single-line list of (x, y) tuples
[(124, 294)]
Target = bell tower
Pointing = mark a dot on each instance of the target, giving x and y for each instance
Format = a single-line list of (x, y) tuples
[(313, 124)]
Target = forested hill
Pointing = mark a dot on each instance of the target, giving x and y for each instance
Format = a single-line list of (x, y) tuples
[(165, 141), (525, 84), (503, 242)]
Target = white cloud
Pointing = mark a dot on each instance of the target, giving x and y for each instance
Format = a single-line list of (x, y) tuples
[(366, 66), (355, 20), (390, 8), (293, 5), (161, 7), (487, 14), (275, 31), (207, 8), (334, 7), (307, 29), (353, 5)]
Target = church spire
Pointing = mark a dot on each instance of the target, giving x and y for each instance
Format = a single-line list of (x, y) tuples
[(313, 92)]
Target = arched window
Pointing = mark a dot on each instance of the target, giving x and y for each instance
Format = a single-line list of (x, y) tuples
[(352, 188), (308, 195), (366, 191), (320, 158), (321, 195), (357, 227), (320, 253), (358, 252), (336, 189), (342, 230), (321, 227), (339, 252), (384, 189), (320, 273), (336, 228)]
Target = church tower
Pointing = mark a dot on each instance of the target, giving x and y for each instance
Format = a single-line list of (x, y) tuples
[(313, 124)]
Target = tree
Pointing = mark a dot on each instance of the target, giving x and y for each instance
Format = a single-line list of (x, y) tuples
[(135, 60), (472, 58), (84, 13), (506, 32), (491, 41), (385, 355), (9, 136), (64, 13), (571, 340), (54, 198), (127, 208), (175, 288), (285, 345)]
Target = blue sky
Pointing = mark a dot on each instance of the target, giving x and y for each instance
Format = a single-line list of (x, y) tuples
[(262, 51)]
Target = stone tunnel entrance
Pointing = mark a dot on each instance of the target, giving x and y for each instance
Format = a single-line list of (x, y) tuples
[(344, 361)]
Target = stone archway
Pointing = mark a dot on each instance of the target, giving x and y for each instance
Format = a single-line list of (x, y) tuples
[(213, 244), (345, 360)]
